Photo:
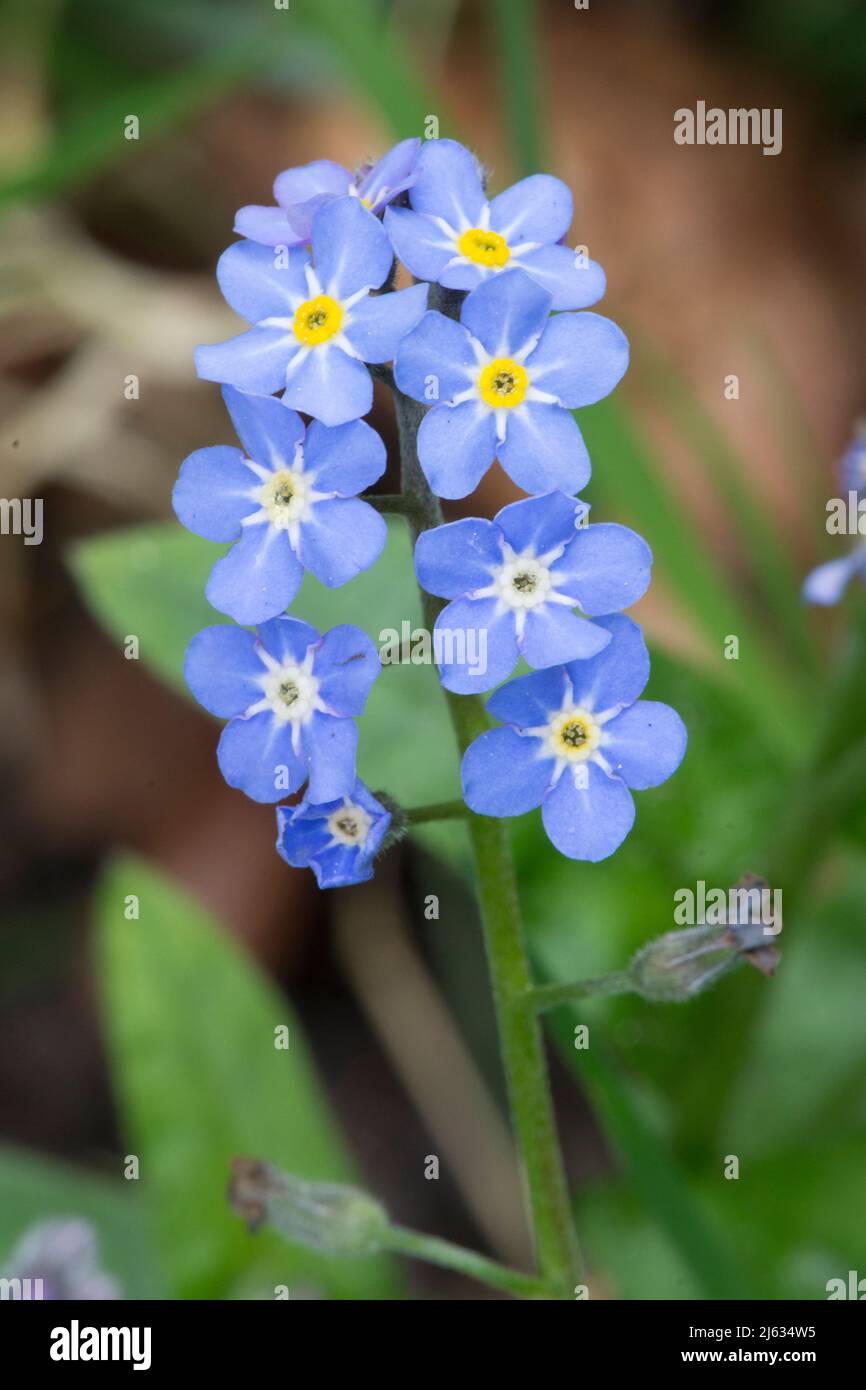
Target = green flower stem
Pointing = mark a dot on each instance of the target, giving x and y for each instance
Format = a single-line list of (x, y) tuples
[(441, 1252), (520, 1034), (387, 502), (543, 997), (440, 810)]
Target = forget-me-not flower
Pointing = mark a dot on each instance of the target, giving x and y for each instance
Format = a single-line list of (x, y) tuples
[(506, 378), (577, 741), (301, 191), (289, 500), (337, 840), (452, 234), (315, 323), (518, 580), (826, 584), (290, 697)]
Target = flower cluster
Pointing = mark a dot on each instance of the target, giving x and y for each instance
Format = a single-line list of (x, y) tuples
[(500, 375)]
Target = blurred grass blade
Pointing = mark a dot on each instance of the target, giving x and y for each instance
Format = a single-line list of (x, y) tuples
[(650, 1166), (764, 550), (199, 1080), (376, 61), (627, 476), (515, 30)]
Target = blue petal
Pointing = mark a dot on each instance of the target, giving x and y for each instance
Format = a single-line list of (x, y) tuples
[(214, 492), (341, 538), (392, 174), (553, 636), (266, 225), (344, 459), (618, 675), (544, 450), (572, 286), (645, 744), (435, 362), (258, 578), (448, 184), (456, 446), (606, 568), (588, 822), (481, 641), (580, 358), (253, 361), (350, 248), (540, 524), (538, 208), (504, 774), (307, 181), (330, 385), (827, 583), (459, 557), (256, 756), (268, 431), (376, 325), (529, 702), (259, 284), (506, 313), (329, 746), (287, 639), (223, 670), (419, 242), (346, 666)]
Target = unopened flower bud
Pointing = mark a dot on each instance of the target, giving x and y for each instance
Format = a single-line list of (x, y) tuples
[(331, 1217), (681, 964)]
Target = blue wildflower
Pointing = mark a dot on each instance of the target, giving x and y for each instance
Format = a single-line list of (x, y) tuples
[(300, 192), (289, 696), (576, 740), (337, 840), (290, 502), (826, 584), (452, 234), (506, 378), (315, 322), (515, 581)]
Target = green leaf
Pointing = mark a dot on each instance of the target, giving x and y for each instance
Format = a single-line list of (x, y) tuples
[(514, 27), (34, 1189), (149, 581), (191, 1026)]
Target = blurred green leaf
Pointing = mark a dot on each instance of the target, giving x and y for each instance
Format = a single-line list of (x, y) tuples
[(190, 1025), (515, 31), (627, 475), (149, 580), (34, 1189)]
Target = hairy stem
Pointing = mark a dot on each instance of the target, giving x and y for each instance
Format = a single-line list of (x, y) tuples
[(441, 1252), (440, 810), (543, 997), (520, 1034)]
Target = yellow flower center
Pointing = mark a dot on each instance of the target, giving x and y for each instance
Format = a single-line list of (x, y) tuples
[(317, 320), (285, 498), (503, 383), (574, 735), (485, 248)]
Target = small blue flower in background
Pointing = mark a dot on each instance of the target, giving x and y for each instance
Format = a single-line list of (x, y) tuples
[(506, 378), (826, 584), (290, 502), (852, 465), (517, 580), (337, 840), (452, 234), (315, 322), (576, 739), (289, 696), (300, 192)]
